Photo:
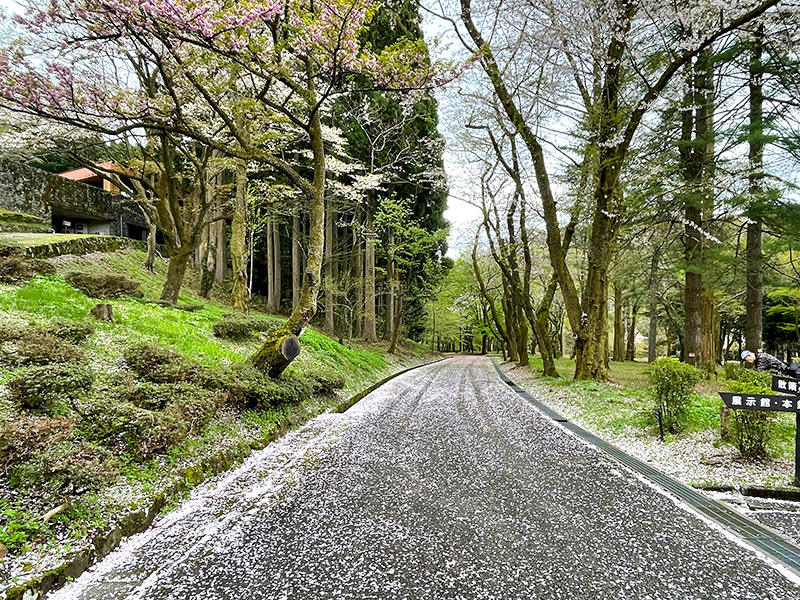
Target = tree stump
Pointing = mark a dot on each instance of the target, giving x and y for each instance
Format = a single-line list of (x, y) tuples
[(103, 312), (725, 424), (275, 354)]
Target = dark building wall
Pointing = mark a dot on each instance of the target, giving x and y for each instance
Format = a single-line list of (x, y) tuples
[(34, 191)]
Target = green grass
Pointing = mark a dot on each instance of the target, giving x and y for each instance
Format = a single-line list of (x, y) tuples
[(11, 216), (625, 401), (27, 240), (353, 359), (48, 297), (189, 333)]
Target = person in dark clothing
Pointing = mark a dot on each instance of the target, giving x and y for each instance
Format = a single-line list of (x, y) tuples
[(762, 361)]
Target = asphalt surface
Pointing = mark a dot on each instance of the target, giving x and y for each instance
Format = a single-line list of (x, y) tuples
[(441, 484)]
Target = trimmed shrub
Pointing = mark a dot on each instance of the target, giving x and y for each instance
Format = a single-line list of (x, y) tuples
[(43, 453), (751, 429), (238, 326), (247, 387), (74, 332), (326, 383), (17, 269), (25, 434), (104, 285), (40, 387), (66, 468), (673, 383), (159, 396), (732, 369), (142, 432), (30, 346), (160, 365), (750, 381)]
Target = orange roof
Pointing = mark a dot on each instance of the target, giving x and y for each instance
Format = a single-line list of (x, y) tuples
[(84, 174)]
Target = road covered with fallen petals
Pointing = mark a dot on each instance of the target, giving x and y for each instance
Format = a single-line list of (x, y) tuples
[(442, 483)]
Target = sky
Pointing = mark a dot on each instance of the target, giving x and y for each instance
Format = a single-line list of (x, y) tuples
[(463, 216)]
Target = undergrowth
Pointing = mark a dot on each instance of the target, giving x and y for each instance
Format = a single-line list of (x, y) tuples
[(624, 403)]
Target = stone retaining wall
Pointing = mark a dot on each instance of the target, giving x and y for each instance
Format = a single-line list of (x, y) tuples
[(34, 191)]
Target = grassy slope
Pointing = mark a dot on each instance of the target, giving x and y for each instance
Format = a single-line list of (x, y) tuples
[(47, 300), (626, 402)]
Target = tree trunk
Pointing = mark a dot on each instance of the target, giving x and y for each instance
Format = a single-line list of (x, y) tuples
[(297, 261), (240, 296), (273, 242), (490, 302), (388, 330), (329, 326), (370, 330), (548, 351), (619, 326), (509, 313), (710, 326), (693, 310), (755, 257), (652, 336), (209, 263), (358, 284), (276, 354), (267, 358), (272, 303), (277, 259), (697, 166), (175, 274), (396, 325), (522, 338), (601, 359), (630, 351), (220, 262), (150, 261)]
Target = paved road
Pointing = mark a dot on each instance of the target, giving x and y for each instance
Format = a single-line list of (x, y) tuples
[(441, 484)]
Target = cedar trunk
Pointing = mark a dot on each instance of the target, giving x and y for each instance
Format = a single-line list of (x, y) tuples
[(755, 258), (652, 336), (240, 295), (619, 326), (297, 261), (329, 326), (630, 349), (370, 330)]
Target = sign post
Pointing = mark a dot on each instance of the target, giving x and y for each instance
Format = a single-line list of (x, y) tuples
[(773, 403)]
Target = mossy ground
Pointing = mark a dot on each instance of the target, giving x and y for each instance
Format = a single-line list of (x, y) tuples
[(46, 301)]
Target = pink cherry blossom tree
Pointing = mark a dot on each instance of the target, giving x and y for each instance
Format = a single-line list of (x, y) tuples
[(246, 78)]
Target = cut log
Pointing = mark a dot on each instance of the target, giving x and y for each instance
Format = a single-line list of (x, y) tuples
[(104, 312), (275, 354)]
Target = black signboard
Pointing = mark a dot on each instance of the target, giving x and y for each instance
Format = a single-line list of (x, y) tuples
[(761, 402), (780, 383), (784, 384)]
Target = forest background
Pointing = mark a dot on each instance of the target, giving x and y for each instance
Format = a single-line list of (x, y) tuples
[(629, 160)]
